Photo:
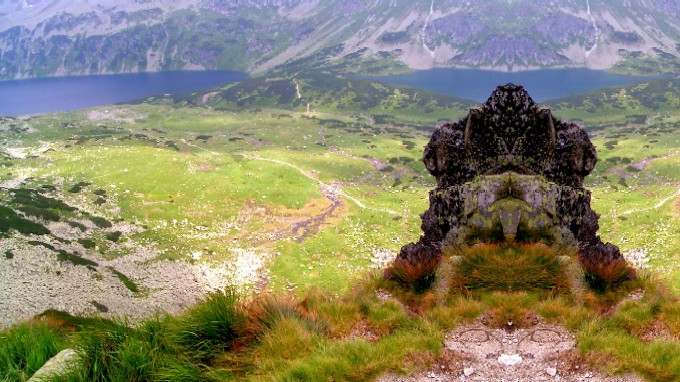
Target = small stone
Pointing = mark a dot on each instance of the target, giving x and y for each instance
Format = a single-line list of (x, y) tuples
[(551, 371), (468, 371), (510, 360)]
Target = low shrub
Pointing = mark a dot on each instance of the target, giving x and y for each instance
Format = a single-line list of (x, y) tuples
[(9, 220), (129, 284), (87, 243), (100, 222), (78, 187), (114, 236)]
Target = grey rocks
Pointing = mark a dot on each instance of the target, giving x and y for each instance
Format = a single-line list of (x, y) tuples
[(510, 171)]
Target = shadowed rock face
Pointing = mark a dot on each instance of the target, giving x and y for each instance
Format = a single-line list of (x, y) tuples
[(510, 171)]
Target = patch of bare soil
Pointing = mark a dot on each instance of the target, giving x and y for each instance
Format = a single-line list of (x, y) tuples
[(363, 330), (657, 330), (203, 166), (542, 352)]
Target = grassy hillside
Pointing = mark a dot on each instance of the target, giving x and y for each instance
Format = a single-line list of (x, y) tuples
[(308, 92), (246, 191), (315, 194), (374, 331), (622, 104)]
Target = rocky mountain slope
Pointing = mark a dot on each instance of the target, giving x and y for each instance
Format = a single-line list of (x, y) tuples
[(49, 37)]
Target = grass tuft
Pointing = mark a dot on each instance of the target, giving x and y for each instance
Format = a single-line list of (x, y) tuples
[(415, 267), (606, 276), (25, 348), (531, 268), (211, 326)]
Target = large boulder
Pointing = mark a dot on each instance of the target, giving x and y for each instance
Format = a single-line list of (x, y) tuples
[(511, 171)]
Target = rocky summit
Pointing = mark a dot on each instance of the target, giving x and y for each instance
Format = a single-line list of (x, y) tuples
[(510, 171)]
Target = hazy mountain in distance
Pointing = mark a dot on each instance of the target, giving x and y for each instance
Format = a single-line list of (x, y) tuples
[(62, 37)]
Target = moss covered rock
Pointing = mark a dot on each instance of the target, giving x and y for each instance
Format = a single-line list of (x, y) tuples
[(511, 171)]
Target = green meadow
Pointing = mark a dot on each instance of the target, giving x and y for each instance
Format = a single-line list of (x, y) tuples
[(198, 179), (328, 191)]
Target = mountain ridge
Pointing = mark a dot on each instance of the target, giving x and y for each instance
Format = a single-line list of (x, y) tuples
[(47, 38)]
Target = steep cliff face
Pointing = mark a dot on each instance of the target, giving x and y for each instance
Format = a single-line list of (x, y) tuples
[(510, 171), (48, 37)]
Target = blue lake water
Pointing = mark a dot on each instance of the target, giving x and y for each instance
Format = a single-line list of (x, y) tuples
[(43, 95), (542, 85)]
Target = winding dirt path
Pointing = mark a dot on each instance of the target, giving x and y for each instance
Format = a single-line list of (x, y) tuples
[(641, 165), (331, 191), (655, 207), (333, 188)]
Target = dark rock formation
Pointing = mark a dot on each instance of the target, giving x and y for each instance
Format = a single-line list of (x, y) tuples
[(510, 171)]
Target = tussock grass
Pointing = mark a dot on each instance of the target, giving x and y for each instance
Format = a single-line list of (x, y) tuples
[(509, 267), (25, 348), (210, 326), (603, 277), (510, 309)]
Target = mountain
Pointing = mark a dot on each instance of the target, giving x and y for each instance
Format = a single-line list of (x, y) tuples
[(49, 37)]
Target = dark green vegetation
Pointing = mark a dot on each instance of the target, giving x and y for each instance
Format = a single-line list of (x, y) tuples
[(29, 211), (9, 220), (378, 103), (375, 328), (624, 105), (129, 284), (74, 258)]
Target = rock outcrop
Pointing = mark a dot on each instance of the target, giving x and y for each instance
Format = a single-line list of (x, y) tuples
[(510, 171)]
